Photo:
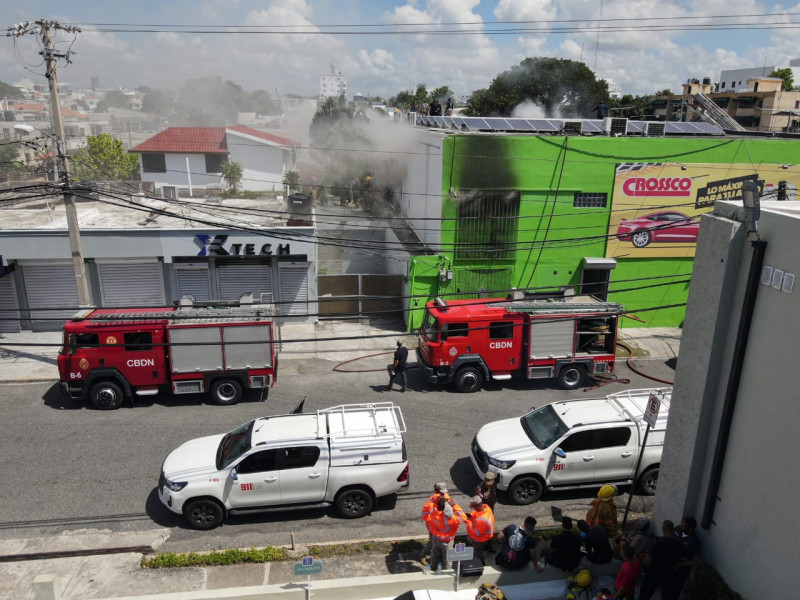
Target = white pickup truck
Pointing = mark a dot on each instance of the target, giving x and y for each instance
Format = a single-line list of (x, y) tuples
[(574, 444), (348, 456)]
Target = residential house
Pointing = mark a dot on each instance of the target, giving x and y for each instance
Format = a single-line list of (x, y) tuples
[(186, 158)]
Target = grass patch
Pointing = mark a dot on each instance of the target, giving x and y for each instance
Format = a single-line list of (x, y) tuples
[(231, 556)]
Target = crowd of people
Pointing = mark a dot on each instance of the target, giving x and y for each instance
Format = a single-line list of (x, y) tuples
[(432, 108), (649, 562)]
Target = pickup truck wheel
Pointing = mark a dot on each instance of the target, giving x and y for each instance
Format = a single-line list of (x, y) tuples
[(226, 391), (571, 377), (106, 395), (648, 481), (355, 503), (203, 513), (525, 490), (468, 380)]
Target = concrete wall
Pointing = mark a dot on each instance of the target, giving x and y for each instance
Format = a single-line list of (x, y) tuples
[(749, 541), (422, 188), (262, 164)]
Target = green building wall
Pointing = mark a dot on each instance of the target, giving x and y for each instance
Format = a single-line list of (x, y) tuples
[(553, 237)]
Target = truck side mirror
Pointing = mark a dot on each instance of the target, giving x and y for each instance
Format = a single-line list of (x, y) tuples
[(560, 453), (234, 474)]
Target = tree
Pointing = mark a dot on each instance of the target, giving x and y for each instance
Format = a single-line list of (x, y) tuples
[(113, 99), (104, 158), (10, 163), (291, 181), (561, 87), (157, 102), (787, 76), (443, 93), (232, 174), (9, 91)]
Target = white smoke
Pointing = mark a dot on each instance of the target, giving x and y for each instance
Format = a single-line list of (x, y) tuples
[(528, 109)]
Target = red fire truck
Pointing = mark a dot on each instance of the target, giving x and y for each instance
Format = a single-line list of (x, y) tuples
[(111, 354), (467, 342)]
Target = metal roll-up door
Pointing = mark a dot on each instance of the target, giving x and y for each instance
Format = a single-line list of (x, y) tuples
[(235, 280), (131, 284), (194, 282), (9, 316), (50, 286), (294, 290)]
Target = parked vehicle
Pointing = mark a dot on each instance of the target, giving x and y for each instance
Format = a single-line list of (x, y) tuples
[(574, 444), (466, 342), (347, 456), (111, 354), (664, 226)]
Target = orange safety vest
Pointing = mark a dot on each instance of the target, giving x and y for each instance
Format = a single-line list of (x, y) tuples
[(442, 528), (480, 526), (432, 502)]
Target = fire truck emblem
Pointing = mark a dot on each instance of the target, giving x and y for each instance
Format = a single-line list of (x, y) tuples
[(83, 364), (111, 340), (453, 351)]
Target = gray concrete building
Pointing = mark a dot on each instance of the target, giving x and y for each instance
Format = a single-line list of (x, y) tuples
[(729, 451)]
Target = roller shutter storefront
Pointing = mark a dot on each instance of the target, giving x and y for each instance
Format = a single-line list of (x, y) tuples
[(9, 320), (49, 286), (131, 284), (193, 281), (294, 289), (236, 279)]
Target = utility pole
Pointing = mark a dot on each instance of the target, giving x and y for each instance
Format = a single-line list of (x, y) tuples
[(43, 27)]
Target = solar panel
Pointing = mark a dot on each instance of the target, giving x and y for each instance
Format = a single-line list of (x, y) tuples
[(544, 124), (709, 128), (636, 126), (684, 128), (458, 122), (438, 121), (500, 124), (476, 123), (520, 125), (593, 126), (448, 121)]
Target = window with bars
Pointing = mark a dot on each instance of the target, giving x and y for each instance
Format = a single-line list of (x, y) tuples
[(487, 225), (590, 200)]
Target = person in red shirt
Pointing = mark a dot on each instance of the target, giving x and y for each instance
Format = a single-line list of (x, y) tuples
[(625, 584)]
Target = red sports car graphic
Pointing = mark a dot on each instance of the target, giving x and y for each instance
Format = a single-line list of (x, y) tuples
[(665, 226)]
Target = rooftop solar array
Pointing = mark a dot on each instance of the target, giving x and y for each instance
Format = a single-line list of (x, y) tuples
[(559, 126)]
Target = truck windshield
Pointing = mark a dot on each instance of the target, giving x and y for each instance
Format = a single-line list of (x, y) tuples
[(233, 445), (543, 426), (430, 327)]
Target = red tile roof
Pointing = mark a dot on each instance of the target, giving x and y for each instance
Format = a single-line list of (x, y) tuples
[(28, 106), (67, 112), (186, 140), (275, 139)]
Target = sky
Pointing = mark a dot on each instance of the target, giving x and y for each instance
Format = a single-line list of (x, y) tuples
[(386, 46)]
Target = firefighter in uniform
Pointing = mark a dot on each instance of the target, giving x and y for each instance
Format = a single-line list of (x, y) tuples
[(480, 526), (439, 491), (443, 525)]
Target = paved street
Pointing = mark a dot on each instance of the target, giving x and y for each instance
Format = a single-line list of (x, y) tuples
[(67, 467)]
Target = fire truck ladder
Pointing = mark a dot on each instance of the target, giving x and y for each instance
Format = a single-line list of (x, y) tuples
[(562, 308), (713, 113)]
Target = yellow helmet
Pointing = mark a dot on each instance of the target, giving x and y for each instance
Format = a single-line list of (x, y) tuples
[(606, 492), (583, 578)]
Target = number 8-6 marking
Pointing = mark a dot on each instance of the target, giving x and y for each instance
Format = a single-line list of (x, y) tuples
[(76, 375)]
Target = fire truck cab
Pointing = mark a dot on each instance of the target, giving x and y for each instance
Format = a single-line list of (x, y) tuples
[(466, 342)]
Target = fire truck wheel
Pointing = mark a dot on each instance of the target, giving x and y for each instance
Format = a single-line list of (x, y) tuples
[(525, 490), (354, 503), (226, 391), (203, 513), (648, 482), (468, 379), (571, 376), (106, 395)]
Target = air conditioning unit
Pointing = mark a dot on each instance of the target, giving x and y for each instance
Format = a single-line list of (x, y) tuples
[(573, 127), (654, 129), (615, 126)]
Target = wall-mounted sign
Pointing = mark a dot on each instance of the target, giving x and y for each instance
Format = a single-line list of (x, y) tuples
[(219, 245)]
